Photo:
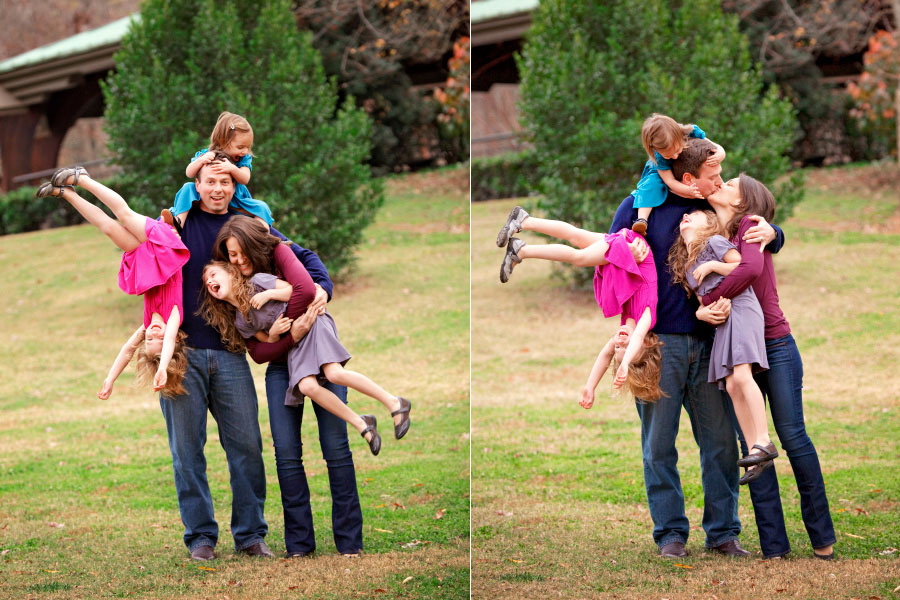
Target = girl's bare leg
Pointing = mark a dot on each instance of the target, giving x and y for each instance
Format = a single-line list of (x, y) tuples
[(325, 398), (130, 220), (748, 405), (94, 215), (335, 373), (592, 255), (562, 230)]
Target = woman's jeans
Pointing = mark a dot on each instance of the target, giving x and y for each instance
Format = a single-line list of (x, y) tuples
[(685, 367), (285, 421), (220, 382), (782, 386)]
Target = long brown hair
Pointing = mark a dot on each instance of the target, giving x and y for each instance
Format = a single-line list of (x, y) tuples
[(147, 365), (254, 239), (227, 126), (644, 370), (683, 255), (220, 314), (756, 199)]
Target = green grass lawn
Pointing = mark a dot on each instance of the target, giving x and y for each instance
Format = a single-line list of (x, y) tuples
[(87, 499), (558, 502)]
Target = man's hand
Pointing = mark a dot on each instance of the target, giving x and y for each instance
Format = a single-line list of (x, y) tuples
[(587, 397), (320, 300), (762, 233), (302, 324), (639, 249), (106, 390), (715, 313)]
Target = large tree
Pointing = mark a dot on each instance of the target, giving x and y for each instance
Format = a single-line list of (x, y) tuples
[(185, 61), (592, 72)]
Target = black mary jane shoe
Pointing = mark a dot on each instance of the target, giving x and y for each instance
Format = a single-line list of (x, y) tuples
[(371, 424)]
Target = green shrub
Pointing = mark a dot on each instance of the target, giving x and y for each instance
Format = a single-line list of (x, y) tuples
[(186, 61), (509, 175), (20, 211), (593, 71)]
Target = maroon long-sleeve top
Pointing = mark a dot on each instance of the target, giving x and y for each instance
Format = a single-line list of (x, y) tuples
[(290, 269), (755, 269)]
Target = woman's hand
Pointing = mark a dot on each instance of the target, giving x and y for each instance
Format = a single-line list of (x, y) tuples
[(702, 271), (302, 324), (159, 380), (587, 397), (281, 325), (106, 390), (762, 233), (715, 313), (259, 300), (639, 249)]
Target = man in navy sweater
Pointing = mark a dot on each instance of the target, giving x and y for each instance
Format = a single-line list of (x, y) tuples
[(220, 382), (685, 365)]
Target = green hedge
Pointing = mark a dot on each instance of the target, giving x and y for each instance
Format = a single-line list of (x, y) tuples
[(510, 175), (20, 211)]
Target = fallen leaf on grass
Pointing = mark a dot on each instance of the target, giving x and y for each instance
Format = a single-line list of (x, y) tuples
[(513, 560), (440, 514), (379, 591), (397, 505), (234, 583), (887, 551), (859, 537), (681, 566), (842, 510), (408, 579), (202, 568), (383, 530), (49, 571), (414, 543), (503, 513), (862, 511)]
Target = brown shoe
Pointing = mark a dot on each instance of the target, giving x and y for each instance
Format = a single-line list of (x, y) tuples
[(258, 549), (401, 429), (167, 217), (673, 550), (731, 548), (203, 553), (767, 452)]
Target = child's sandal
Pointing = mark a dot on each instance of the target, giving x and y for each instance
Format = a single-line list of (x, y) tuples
[(401, 429), (511, 259), (639, 226), (47, 189), (61, 177), (375, 442)]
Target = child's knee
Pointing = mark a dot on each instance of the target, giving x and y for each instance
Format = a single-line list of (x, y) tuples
[(308, 386), (333, 372)]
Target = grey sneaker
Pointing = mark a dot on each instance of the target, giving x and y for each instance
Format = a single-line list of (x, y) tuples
[(511, 259), (513, 225)]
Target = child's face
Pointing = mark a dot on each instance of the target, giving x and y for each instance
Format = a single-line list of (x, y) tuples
[(218, 282), (237, 257), (153, 338), (623, 336), (690, 223), (239, 145), (672, 152)]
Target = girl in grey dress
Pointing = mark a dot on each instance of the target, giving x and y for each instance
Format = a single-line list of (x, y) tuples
[(257, 304), (699, 260)]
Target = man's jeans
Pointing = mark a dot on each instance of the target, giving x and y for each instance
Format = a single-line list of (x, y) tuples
[(285, 421), (782, 386), (685, 367), (220, 382)]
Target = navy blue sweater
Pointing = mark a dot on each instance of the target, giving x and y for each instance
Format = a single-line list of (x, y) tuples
[(199, 235), (675, 311)]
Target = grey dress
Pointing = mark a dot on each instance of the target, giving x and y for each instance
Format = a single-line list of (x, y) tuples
[(739, 340), (318, 347)]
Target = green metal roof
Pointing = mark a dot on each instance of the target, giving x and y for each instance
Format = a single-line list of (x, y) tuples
[(109, 34), (486, 10)]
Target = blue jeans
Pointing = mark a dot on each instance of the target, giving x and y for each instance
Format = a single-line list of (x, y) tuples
[(685, 366), (782, 386), (220, 382), (285, 421)]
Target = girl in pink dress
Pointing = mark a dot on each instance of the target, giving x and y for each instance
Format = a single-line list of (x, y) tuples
[(151, 265), (624, 284)]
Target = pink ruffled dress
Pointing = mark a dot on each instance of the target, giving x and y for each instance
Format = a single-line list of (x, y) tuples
[(154, 270), (622, 286)]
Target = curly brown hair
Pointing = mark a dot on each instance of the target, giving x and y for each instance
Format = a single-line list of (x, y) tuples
[(146, 366), (254, 239), (683, 256), (644, 371), (220, 314)]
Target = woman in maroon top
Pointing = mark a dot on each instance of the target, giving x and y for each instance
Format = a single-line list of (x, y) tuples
[(735, 204)]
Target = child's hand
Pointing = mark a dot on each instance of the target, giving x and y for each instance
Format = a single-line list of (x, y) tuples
[(208, 157), (713, 160), (260, 299), (281, 325), (223, 167), (694, 191), (159, 380), (621, 376), (702, 271), (106, 390), (587, 397)]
